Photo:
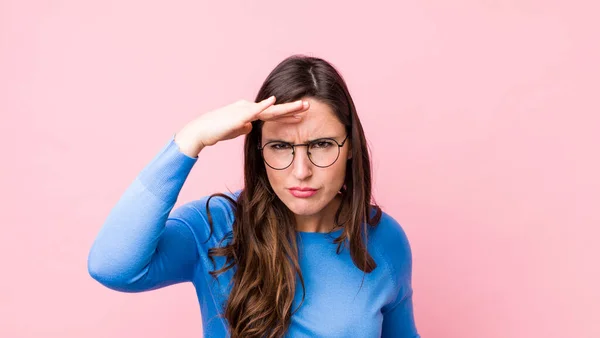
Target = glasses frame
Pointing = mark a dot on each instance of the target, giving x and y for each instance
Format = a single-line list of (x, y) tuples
[(340, 145)]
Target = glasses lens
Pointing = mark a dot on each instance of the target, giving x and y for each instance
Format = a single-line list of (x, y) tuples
[(323, 152), (278, 155)]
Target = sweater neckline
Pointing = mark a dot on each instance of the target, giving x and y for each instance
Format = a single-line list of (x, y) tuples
[(317, 235)]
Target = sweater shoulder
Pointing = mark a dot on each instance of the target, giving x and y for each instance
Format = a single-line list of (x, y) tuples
[(391, 243), (389, 231)]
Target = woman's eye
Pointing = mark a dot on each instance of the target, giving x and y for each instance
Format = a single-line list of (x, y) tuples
[(279, 146), (322, 144)]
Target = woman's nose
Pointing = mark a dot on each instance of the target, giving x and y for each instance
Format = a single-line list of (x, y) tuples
[(302, 166)]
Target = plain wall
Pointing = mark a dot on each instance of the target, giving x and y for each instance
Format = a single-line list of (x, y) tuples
[(482, 118)]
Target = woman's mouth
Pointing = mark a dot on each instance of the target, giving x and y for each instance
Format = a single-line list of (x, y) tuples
[(296, 192)]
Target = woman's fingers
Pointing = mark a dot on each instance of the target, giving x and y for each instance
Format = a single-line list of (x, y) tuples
[(258, 107), (283, 110)]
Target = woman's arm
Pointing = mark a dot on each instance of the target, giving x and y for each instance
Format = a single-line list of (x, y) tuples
[(399, 320), (398, 316), (142, 245)]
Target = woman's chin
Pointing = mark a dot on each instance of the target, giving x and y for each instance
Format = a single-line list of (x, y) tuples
[(302, 210)]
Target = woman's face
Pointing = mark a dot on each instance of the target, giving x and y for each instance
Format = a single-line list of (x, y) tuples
[(319, 121)]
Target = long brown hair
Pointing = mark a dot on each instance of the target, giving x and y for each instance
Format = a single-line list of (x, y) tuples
[(262, 246)]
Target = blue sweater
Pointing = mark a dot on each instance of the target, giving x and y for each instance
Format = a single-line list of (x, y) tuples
[(146, 244)]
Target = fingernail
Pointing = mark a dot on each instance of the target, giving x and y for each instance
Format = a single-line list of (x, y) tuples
[(298, 116), (305, 104)]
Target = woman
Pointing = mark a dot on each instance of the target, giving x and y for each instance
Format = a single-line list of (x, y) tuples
[(299, 251)]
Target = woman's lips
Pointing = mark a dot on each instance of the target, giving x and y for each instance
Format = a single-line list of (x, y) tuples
[(302, 194)]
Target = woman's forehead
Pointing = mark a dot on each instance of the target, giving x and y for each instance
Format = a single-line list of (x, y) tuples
[(308, 129), (318, 121)]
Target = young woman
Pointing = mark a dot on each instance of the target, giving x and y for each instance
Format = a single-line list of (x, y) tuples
[(299, 251)]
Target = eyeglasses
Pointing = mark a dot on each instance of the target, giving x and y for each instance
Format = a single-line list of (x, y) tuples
[(322, 152)]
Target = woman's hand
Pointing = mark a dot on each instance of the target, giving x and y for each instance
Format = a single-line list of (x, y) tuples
[(233, 120)]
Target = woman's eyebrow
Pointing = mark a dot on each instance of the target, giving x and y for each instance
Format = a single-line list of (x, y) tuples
[(267, 140)]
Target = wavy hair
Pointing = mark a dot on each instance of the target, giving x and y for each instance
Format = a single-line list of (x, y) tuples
[(262, 244)]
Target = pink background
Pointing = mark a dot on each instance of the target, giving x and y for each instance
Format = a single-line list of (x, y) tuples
[(482, 116)]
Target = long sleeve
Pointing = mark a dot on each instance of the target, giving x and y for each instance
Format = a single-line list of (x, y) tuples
[(399, 321), (142, 245), (398, 316)]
